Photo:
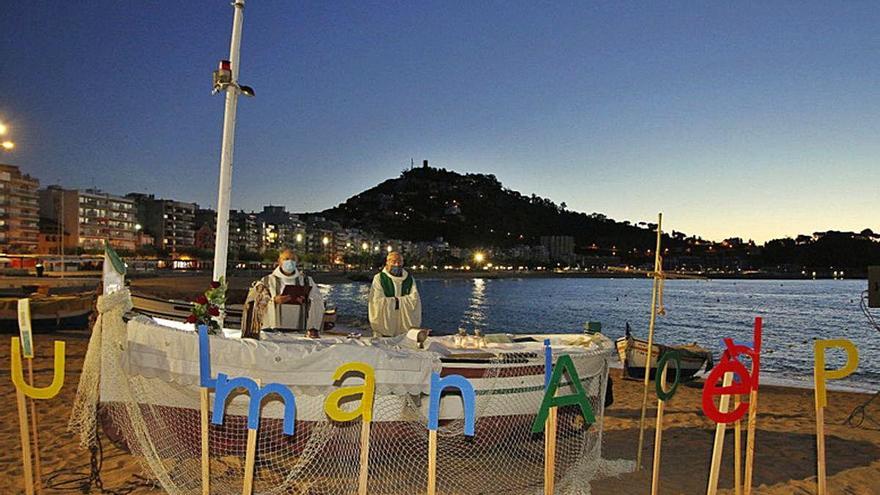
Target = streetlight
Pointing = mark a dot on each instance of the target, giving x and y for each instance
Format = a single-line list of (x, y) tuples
[(8, 145), (299, 238), (365, 246), (479, 257), (325, 240)]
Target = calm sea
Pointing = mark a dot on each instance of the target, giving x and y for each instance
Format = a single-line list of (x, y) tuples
[(702, 311)]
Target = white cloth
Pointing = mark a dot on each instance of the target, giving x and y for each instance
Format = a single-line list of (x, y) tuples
[(391, 316), (288, 315)]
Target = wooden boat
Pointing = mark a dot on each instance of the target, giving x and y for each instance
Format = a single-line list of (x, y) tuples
[(633, 353), (49, 312)]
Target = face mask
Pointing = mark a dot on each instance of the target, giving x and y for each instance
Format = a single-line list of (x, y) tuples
[(288, 266), (396, 271)]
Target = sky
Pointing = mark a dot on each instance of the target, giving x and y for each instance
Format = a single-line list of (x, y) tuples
[(756, 120)]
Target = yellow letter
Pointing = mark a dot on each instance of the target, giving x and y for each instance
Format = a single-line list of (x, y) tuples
[(366, 391), (819, 372), (36, 392)]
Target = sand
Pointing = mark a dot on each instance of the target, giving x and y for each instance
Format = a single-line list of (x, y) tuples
[(785, 459)]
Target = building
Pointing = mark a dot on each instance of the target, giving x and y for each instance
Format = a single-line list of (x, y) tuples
[(90, 217), (280, 229), (19, 211), (560, 248), (171, 223), (244, 233)]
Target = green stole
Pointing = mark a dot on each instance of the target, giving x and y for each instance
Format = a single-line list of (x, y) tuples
[(388, 284)]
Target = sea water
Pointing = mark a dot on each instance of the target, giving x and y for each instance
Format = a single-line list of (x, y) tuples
[(795, 313)]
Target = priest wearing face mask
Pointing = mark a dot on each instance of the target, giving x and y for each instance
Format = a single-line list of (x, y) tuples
[(285, 305), (394, 306)]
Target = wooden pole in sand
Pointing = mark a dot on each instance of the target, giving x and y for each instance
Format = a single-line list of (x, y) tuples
[(753, 412), (737, 450), (657, 270), (206, 458), (750, 439), (38, 469), (658, 437), (365, 457), (25, 441), (550, 451), (820, 450), (432, 462), (27, 350), (247, 487), (718, 447)]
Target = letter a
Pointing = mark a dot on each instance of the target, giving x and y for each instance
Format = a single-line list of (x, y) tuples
[(365, 391), (563, 365)]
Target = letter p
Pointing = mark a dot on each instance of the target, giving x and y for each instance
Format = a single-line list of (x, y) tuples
[(820, 374)]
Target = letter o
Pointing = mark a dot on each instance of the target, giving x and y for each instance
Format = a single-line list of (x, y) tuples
[(662, 394)]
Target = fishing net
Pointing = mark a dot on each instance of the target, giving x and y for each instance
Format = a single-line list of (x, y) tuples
[(159, 422)]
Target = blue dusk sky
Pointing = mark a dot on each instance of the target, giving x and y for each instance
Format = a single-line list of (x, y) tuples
[(757, 120)]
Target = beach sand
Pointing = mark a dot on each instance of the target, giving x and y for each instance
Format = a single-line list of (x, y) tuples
[(785, 458)]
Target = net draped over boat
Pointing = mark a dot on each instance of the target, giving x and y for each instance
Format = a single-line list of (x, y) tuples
[(140, 384)]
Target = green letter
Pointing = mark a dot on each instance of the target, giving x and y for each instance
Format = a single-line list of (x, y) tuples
[(563, 365)]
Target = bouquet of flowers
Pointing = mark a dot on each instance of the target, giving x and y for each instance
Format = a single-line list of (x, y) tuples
[(206, 307)]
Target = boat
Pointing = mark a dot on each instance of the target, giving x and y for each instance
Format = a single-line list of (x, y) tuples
[(633, 353), (147, 400), (49, 311)]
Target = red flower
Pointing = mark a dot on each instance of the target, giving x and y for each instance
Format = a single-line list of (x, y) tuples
[(201, 299), (214, 311), (191, 319), (215, 285)]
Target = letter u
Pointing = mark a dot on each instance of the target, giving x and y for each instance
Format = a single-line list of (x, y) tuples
[(57, 373)]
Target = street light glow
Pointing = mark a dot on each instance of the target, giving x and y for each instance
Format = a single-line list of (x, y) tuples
[(325, 240), (2, 128), (479, 257), (365, 246), (8, 145), (299, 238)]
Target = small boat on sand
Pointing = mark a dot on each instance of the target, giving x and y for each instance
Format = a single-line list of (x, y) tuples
[(633, 353), (49, 312)]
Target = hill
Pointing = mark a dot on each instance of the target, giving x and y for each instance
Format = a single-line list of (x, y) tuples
[(474, 210)]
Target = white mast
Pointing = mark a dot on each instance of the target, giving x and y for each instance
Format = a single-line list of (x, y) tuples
[(221, 243)]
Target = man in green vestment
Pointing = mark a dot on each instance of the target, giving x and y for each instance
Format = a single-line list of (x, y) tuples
[(394, 304)]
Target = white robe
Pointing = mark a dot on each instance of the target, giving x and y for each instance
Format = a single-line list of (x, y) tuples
[(388, 319), (288, 315)]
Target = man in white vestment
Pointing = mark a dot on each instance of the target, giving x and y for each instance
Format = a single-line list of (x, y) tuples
[(282, 311), (395, 306)]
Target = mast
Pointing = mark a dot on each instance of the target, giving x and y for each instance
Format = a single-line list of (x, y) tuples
[(221, 243)]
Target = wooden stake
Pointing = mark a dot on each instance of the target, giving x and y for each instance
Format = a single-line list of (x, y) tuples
[(38, 469), (432, 462), (247, 486), (657, 269), (750, 440), (365, 458), (737, 450), (658, 437), (718, 447), (25, 441), (206, 457), (820, 449), (550, 451)]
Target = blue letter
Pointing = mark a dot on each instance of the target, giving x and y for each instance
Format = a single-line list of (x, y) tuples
[(224, 387), (205, 380), (467, 399)]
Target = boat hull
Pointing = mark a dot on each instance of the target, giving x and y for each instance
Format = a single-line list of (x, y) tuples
[(634, 352)]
